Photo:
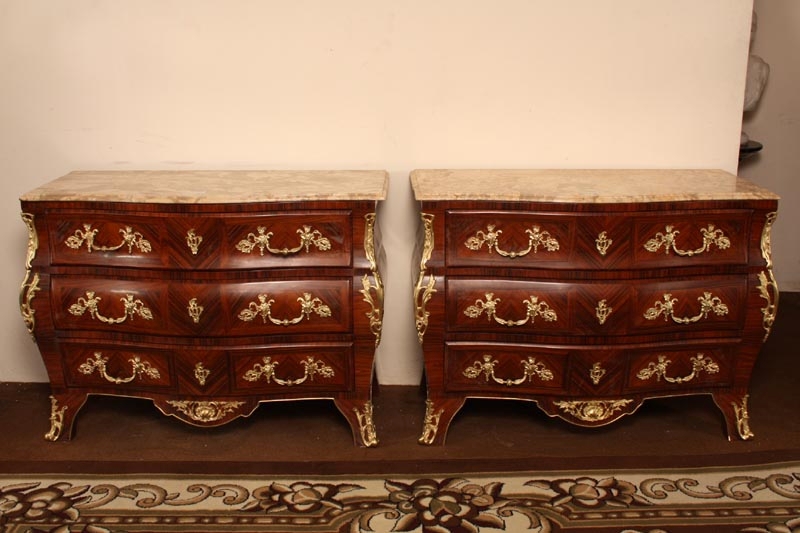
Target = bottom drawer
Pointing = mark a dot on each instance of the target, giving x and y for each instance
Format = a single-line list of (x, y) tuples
[(588, 371), (279, 369)]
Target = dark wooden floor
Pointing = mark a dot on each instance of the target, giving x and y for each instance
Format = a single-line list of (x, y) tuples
[(130, 436)]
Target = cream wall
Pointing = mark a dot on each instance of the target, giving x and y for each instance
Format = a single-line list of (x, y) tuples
[(776, 124), (102, 84)]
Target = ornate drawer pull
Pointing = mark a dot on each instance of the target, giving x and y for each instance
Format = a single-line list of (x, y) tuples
[(700, 363), (308, 236), (139, 367), (535, 308), (132, 307), (536, 238), (531, 367), (267, 371), (263, 308), (130, 239), (708, 303), (711, 235)]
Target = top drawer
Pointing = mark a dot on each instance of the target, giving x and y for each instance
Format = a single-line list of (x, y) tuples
[(312, 238), (527, 239)]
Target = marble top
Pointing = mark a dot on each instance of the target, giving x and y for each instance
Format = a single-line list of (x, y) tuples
[(213, 186), (585, 186)]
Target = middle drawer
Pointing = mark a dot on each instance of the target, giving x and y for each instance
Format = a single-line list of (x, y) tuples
[(220, 308), (595, 308)]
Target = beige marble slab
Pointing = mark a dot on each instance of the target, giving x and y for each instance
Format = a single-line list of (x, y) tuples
[(211, 186), (586, 186)]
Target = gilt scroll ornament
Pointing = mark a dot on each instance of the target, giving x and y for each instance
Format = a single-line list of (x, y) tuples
[(372, 292), (743, 419), (130, 239), (767, 285), (430, 424), (195, 310), (603, 243), (205, 411), (708, 303), (201, 374), (535, 308), (131, 307), (369, 436), (530, 368), (423, 292), (592, 410), (267, 371), (536, 238), (711, 237), (700, 364), (308, 237), (193, 241), (139, 369), (56, 420), (596, 373), (603, 311), (30, 284), (263, 308)]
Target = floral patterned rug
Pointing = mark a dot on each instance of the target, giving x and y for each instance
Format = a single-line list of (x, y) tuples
[(753, 499)]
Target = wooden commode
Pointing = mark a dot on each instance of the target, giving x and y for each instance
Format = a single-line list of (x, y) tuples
[(207, 292), (590, 291)]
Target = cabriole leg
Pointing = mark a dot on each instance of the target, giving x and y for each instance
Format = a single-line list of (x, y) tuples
[(737, 418)]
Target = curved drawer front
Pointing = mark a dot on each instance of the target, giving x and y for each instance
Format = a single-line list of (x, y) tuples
[(190, 242), (497, 368), (589, 371), (117, 369), (289, 369), (682, 369), (707, 304), (510, 239), (200, 309), (108, 240), (280, 370), (508, 306), (85, 303), (289, 240), (637, 307), (681, 239), (524, 239)]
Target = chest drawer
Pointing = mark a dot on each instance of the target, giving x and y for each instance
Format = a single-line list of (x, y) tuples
[(680, 368), (117, 368), (211, 370), (595, 308), (471, 367), (278, 369), (212, 308), (521, 239), (190, 242)]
